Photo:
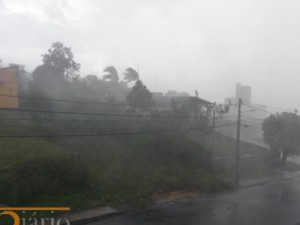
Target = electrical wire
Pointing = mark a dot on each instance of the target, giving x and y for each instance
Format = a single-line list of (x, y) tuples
[(251, 117), (103, 134), (85, 102), (92, 114)]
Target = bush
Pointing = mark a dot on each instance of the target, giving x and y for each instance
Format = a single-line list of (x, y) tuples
[(50, 176), (6, 190)]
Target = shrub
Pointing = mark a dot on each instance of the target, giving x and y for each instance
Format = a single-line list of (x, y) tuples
[(50, 176)]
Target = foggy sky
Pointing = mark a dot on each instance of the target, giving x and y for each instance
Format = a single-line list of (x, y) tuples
[(207, 45)]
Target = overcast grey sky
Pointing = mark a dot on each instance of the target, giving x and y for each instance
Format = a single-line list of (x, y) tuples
[(207, 45)]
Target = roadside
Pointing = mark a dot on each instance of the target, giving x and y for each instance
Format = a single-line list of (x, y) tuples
[(255, 171), (96, 214)]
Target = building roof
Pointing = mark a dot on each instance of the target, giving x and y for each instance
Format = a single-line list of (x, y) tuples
[(179, 99)]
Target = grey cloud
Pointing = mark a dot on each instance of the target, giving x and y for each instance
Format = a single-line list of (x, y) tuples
[(182, 45)]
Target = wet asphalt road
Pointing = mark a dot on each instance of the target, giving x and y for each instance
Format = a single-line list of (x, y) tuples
[(270, 204)]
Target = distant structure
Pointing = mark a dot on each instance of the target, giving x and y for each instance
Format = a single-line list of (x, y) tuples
[(243, 92), (165, 102), (19, 66), (254, 112)]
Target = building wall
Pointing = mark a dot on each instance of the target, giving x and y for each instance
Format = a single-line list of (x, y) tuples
[(243, 92), (9, 87)]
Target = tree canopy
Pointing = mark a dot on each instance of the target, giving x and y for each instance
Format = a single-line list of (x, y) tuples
[(130, 75), (62, 60), (57, 68), (282, 134), (140, 98), (111, 74)]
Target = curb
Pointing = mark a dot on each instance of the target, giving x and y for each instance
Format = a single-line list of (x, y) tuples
[(97, 218), (269, 182)]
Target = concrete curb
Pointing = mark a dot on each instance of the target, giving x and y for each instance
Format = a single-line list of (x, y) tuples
[(269, 182), (97, 218)]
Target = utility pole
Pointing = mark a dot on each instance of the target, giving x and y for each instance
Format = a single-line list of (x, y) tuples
[(213, 131), (237, 172), (213, 136)]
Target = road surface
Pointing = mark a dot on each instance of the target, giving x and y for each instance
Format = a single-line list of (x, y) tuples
[(271, 204)]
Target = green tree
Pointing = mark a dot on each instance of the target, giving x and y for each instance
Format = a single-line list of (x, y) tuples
[(140, 98), (282, 134), (130, 75), (54, 76), (58, 66), (61, 59), (111, 74)]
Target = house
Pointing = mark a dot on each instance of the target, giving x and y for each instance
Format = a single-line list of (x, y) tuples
[(199, 107)]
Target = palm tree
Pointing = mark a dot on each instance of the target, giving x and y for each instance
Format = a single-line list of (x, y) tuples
[(112, 74), (130, 75)]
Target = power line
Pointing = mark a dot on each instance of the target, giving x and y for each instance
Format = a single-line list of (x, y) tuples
[(76, 120), (275, 107), (87, 128), (228, 116), (251, 117), (84, 128), (256, 123), (62, 127), (93, 120), (250, 125), (67, 100), (94, 114), (262, 110), (82, 135), (102, 134), (91, 103), (228, 124), (105, 134)]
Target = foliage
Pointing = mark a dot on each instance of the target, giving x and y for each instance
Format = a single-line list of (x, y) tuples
[(118, 171), (282, 134), (61, 59), (12, 155), (112, 74), (124, 170), (131, 169), (140, 98), (58, 68), (48, 176), (44, 79), (130, 75)]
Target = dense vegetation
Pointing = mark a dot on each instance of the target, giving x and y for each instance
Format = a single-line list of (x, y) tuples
[(89, 155), (282, 134)]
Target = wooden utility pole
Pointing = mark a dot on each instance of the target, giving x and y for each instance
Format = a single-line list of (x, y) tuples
[(237, 172), (213, 131)]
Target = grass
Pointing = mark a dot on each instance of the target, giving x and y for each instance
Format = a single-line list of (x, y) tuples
[(253, 159), (119, 172)]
